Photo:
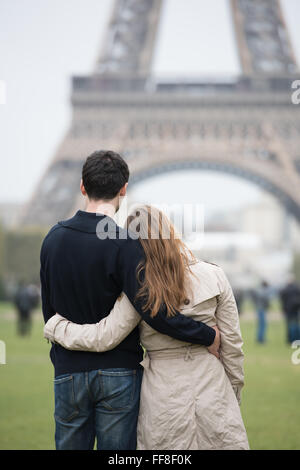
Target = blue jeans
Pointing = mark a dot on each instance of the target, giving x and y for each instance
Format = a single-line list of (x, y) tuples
[(100, 404), (261, 326), (293, 330)]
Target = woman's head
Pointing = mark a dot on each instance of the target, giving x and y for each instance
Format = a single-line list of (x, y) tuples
[(162, 275)]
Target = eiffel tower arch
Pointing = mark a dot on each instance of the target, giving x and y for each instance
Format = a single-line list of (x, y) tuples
[(247, 127)]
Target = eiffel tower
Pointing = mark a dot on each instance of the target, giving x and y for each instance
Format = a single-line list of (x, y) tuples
[(247, 127)]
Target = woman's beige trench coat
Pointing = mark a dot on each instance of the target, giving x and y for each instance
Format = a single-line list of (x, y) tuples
[(189, 398)]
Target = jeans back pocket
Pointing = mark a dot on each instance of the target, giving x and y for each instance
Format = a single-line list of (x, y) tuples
[(117, 389), (65, 405)]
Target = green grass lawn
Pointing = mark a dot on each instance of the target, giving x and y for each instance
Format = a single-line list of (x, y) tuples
[(270, 399)]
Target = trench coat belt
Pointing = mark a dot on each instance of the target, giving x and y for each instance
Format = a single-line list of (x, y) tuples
[(187, 352)]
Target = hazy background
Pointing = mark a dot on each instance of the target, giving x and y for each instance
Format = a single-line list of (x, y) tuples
[(44, 42)]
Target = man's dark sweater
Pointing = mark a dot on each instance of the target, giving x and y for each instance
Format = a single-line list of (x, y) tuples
[(83, 274)]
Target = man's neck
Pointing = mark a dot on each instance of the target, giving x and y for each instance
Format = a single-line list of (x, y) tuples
[(101, 207)]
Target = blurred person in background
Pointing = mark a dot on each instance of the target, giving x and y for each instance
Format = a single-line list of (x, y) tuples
[(261, 300), (26, 299), (239, 295), (290, 299)]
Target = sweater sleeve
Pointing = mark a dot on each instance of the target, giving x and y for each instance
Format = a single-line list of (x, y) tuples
[(178, 326), (47, 308)]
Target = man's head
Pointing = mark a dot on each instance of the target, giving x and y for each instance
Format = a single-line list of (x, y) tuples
[(104, 176)]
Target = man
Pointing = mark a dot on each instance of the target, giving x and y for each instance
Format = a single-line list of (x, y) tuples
[(239, 295), (290, 299), (82, 275), (26, 299), (261, 299)]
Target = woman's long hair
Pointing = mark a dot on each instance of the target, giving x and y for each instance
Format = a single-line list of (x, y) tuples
[(162, 275)]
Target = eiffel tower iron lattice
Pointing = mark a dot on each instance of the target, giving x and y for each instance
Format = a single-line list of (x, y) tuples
[(248, 127)]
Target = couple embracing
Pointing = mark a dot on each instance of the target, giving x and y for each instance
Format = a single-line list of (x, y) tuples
[(146, 343)]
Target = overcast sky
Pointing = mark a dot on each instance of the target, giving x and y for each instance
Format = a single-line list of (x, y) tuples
[(44, 42)]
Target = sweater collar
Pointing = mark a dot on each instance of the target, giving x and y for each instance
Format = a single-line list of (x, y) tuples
[(85, 221)]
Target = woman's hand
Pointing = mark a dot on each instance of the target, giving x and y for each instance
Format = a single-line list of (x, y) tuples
[(51, 325)]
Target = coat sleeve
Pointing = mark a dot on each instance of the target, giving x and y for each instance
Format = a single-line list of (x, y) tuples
[(231, 352), (97, 337)]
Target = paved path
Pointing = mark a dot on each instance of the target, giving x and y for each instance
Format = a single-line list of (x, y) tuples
[(245, 316)]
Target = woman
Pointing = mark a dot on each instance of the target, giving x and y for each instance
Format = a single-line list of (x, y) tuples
[(189, 398)]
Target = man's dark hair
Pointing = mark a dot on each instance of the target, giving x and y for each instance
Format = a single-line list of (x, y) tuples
[(104, 174)]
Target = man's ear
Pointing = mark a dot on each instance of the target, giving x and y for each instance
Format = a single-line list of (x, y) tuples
[(82, 188), (123, 190)]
